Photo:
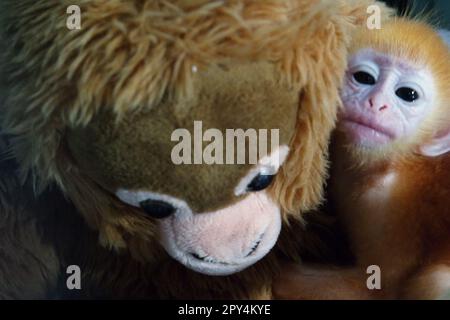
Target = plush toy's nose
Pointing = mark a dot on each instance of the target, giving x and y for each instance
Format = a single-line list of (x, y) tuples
[(157, 208)]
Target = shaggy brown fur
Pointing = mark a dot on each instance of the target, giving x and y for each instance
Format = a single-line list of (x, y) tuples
[(128, 58)]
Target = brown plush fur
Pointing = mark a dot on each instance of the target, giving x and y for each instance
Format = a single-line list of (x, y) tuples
[(128, 59), (98, 148)]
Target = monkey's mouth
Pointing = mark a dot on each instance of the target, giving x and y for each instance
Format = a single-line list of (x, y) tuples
[(366, 132)]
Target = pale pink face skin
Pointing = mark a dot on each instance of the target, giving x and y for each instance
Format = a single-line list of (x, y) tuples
[(385, 98)]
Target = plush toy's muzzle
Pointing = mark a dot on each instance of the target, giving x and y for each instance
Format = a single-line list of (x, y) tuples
[(222, 241), (219, 242)]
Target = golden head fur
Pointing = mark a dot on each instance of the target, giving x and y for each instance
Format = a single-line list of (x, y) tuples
[(419, 43)]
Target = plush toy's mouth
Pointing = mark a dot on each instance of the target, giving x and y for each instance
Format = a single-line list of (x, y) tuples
[(211, 265), (210, 259), (255, 246), (224, 241)]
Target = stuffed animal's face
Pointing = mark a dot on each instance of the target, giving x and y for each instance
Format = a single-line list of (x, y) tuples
[(215, 218), (101, 111)]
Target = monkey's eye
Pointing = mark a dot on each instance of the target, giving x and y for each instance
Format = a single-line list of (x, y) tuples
[(260, 182), (407, 94), (364, 78)]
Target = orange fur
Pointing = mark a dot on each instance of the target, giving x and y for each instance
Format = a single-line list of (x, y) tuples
[(405, 233), (394, 207)]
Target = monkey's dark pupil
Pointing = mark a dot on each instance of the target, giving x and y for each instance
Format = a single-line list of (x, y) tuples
[(260, 182), (407, 94), (364, 78)]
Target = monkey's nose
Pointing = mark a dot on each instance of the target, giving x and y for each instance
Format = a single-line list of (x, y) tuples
[(157, 209)]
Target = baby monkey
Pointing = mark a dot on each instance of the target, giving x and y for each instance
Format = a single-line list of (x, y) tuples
[(390, 175)]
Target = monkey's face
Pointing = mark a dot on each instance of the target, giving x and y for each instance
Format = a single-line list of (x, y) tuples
[(216, 217), (386, 99)]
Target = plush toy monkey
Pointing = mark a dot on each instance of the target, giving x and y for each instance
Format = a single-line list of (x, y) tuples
[(91, 120)]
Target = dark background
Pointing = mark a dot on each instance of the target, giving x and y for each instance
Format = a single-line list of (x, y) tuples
[(439, 9)]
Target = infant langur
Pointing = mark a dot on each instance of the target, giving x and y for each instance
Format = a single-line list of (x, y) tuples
[(390, 176)]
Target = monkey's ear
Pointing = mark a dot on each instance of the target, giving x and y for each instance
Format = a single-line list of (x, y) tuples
[(439, 145)]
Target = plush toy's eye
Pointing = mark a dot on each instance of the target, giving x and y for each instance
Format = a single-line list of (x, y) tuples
[(157, 208), (407, 94), (260, 182), (364, 78)]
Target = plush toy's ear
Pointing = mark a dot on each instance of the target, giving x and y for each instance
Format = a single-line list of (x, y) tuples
[(299, 185), (438, 145)]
